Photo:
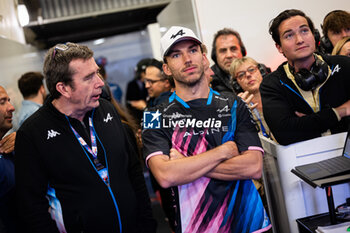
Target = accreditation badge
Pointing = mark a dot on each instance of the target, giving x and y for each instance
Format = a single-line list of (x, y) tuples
[(104, 174)]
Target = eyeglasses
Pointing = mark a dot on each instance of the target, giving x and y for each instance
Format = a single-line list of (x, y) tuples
[(151, 82), (62, 47), (243, 74)]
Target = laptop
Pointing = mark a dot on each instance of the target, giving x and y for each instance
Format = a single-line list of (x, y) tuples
[(339, 165)]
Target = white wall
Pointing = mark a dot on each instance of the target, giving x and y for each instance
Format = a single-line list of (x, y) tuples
[(16, 59), (251, 19), (9, 25)]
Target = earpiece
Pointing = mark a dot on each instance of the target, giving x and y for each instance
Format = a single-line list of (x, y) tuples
[(326, 45)]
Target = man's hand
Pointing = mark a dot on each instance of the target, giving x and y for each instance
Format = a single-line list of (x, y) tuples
[(175, 154), (344, 109), (247, 98), (229, 149), (7, 144), (299, 114), (177, 169)]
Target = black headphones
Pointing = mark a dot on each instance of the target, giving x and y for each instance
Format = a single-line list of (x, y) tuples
[(310, 79), (213, 49), (326, 45)]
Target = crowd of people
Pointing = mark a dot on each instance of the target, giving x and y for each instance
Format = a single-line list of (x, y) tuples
[(80, 155)]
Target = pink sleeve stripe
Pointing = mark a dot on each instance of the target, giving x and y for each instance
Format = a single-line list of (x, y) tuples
[(263, 229), (257, 148), (151, 155)]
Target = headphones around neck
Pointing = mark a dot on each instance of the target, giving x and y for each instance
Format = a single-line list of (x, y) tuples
[(308, 80)]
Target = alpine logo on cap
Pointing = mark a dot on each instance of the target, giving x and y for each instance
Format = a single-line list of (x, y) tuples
[(179, 33)]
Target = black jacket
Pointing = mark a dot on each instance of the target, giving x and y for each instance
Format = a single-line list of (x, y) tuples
[(281, 98), (58, 160), (221, 81)]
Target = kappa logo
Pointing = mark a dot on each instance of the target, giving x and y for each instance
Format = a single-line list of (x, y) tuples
[(179, 33), (151, 120), (108, 118), (224, 109), (52, 133)]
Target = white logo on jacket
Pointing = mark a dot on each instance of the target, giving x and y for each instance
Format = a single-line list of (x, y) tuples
[(224, 109), (336, 69), (52, 133), (108, 118)]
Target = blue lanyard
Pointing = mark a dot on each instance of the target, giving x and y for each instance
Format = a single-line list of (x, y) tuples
[(93, 149), (101, 170), (263, 130)]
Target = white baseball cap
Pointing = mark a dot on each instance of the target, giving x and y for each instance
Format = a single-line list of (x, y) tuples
[(174, 35)]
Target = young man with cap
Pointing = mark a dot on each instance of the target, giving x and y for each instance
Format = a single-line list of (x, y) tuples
[(203, 146), (309, 95)]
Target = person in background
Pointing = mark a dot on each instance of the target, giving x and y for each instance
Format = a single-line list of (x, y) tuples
[(207, 167), (335, 26), (158, 85), (75, 150), (245, 71), (7, 170), (308, 95), (33, 91), (342, 47), (227, 46), (114, 88), (136, 92)]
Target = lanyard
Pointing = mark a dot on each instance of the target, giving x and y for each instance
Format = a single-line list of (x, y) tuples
[(263, 130), (93, 149), (101, 170)]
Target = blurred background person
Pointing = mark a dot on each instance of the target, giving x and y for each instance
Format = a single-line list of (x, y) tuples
[(158, 85), (227, 46), (7, 170), (245, 71), (33, 91), (342, 47), (335, 26), (136, 92), (114, 88)]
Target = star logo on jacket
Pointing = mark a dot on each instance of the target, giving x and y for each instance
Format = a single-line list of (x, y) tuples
[(52, 133), (108, 118)]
